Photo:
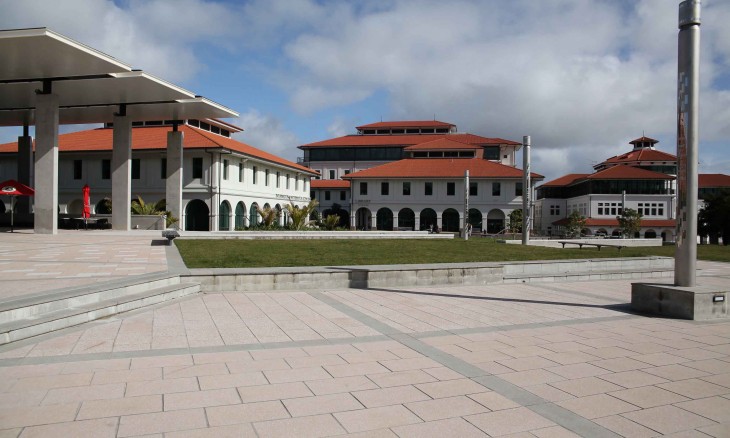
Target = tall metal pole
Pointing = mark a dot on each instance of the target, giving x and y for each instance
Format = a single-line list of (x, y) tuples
[(526, 193), (685, 259), (466, 205)]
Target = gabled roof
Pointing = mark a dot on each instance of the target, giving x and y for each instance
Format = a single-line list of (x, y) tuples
[(644, 139), (707, 180), (641, 155), (441, 168), (408, 124), (405, 140), (566, 180), (628, 172), (442, 144), (329, 184), (595, 222), (155, 137)]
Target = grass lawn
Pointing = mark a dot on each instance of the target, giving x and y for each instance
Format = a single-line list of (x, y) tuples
[(264, 253)]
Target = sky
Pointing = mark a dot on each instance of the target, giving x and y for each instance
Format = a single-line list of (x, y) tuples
[(581, 77)]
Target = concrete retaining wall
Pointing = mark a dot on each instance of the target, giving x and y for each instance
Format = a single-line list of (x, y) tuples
[(554, 243), (313, 235)]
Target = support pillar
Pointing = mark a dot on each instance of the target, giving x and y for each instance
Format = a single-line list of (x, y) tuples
[(25, 170), (373, 221), (174, 180), (353, 220), (215, 187), (417, 223), (122, 173), (46, 164)]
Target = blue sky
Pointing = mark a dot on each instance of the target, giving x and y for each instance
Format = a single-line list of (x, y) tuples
[(582, 77)]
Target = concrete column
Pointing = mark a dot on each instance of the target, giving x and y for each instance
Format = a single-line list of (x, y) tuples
[(46, 164), (25, 170), (373, 221), (417, 225), (215, 198), (353, 220), (174, 181), (122, 173), (438, 221)]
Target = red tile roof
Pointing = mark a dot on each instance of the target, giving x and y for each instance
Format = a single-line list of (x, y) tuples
[(628, 172), (565, 180), (155, 137), (641, 155), (440, 168), (644, 139), (595, 222), (707, 180), (442, 144), (408, 124), (329, 184), (405, 140)]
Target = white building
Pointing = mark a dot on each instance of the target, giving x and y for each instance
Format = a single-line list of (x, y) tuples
[(224, 180)]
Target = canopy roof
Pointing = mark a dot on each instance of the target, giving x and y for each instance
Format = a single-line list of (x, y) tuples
[(14, 188), (91, 86)]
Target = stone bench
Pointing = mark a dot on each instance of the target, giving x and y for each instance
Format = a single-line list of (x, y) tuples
[(582, 244)]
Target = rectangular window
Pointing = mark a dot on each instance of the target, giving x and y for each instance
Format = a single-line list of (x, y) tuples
[(326, 195), (518, 189), (240, 172), (106, 169), (407, 188), (496, 189), (135, 168), (225, 169), (384, 188), (428, 189), (278, 178), (332, 174), (343, 195), (347, 171), (255, 176), (77, 169), (197, 168), (266, 177), (312, 194), (296, 183), (163, 168), (363, 188), (473, 188), (287, 181), (450, 189)]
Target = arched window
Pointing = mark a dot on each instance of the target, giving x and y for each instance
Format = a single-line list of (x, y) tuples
[(224, 216)]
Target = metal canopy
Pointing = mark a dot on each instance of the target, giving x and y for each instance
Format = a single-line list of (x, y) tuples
[(90, 85)]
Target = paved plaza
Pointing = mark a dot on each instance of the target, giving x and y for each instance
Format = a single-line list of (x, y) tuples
[(530, 360)]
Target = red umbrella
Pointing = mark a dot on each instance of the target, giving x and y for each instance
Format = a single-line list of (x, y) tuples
[(87, 203), (14, 188)]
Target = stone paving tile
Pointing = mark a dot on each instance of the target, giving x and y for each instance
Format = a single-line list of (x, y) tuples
[(648, 396), (340, 385), (296, 375), (231, 380), (714, 408), (717, 431), (120, 407), (450, 388), (385, 380), (376, 418), (668, 419), (201, 399), (508, 421), (276, 391), (431, 410), (322, 404), (493, 401), (246, 413), (389, 396), (355, 369), (142, 424), (232, 431), (455, 427), (625, 427), (314, 426), (101, 428), (166, 386), (37, 415), (81, 393), (582, 387), (633, 379), (596, 406), (124, 376), (695, 388)]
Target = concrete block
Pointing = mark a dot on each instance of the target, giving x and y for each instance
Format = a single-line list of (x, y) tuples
[(700, 303)]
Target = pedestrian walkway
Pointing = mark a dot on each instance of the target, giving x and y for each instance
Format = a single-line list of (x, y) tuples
[(527, 360)]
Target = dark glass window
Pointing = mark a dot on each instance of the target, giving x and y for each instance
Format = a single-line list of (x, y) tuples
[(343, 195), (77, 169), (135, 168), (407, 188), (197, 167), (473, 188), (518, 189), (496, 189), (450, 189), (255, 176), (225, 169), (332, 174), (326, 195), (384, 188), (240, 172), (311, 194), (163, 168), (266, 180), (106, 169), (278, 177), (491, 153), (363, 188), (428, 189)]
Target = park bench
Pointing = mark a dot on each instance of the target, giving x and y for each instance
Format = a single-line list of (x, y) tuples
[(582, 244)]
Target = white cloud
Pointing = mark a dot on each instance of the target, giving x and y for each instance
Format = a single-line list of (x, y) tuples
[(266, 132)]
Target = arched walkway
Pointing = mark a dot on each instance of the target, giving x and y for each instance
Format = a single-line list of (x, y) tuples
[(384, 218), (450, 220), (240, 219), (585, 232), (650, 234), (197, 216), (253, 215), (224, 216), (363, 219), (616, 233), (495, 221), (75, 207), (407, 219), (475, 220), (104, 206), (428, 218)]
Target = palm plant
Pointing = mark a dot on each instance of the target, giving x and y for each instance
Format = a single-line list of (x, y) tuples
[(142, 208), (269, 215), (331, 222), (300, 216)]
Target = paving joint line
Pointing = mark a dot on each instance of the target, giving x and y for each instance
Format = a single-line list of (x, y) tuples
[(537, 404)]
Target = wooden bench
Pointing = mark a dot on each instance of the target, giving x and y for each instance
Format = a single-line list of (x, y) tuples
[(582, 244)]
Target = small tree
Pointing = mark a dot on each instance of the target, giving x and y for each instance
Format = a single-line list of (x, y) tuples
[(515, 221), (629, 222), (300, 216), (269, 215), (331, 222), (576, 223)]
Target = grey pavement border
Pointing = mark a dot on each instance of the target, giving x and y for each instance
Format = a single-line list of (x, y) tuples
[(175, 263), (549, 410)]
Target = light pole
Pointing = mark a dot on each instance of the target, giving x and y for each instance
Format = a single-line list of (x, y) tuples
[(526, 193)]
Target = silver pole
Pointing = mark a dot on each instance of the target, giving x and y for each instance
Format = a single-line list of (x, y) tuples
[(466, 205), (526, 193), (685, 259)]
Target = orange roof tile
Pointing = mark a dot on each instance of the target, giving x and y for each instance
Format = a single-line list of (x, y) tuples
[(440, 168), (707, 180), (595, 222), (628, 172), (642, 155), (408, 124), (404, 140), (155, 137), (644, 139), (441, 144), (329, 184), (565, 180)]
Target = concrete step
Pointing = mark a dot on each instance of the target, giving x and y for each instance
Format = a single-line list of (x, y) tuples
[(607, 274), (89, 308)]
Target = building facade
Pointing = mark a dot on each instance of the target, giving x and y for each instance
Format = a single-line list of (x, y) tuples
[(224, 180)]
